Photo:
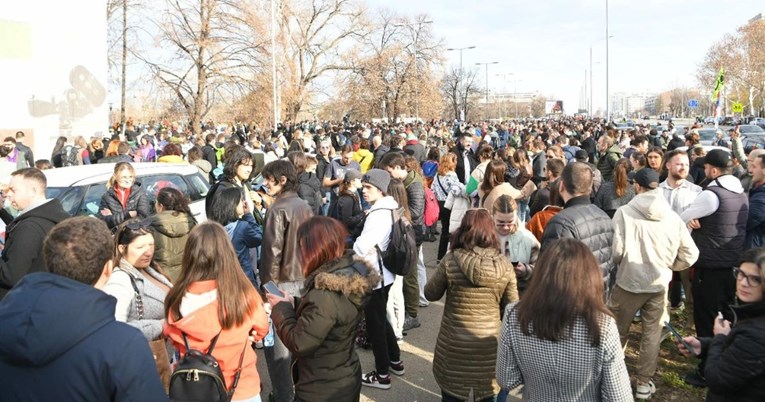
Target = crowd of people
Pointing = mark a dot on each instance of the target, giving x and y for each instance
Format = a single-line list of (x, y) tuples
[(554, 236)]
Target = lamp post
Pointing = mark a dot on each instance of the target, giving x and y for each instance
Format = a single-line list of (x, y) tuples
[(416, 34), (460, 49), (487, 76), (273, 61), (608, 115)]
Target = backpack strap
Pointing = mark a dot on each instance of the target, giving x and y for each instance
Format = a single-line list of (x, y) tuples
[(136, 295), (377, 246), (238, 369)]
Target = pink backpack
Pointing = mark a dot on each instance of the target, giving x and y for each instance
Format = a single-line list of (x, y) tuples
[(431, 207)]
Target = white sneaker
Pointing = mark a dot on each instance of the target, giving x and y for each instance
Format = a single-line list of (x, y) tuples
[(645, 390)]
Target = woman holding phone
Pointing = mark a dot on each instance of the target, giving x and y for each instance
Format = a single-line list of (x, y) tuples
[(734, 359), (319, 328)]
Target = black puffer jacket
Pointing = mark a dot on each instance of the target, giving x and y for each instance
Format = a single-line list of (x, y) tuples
[(735, 364), (582, 220), (320, 334), (309, 189), (137, 201)]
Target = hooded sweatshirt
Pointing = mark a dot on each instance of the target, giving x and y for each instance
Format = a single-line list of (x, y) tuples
[(200, 324), (650, 241), (24, 238), (60, 342)]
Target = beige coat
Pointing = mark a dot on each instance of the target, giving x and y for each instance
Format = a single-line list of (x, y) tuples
[(478, 284)]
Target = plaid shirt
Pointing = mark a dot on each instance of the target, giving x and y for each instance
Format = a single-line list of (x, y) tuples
[(569, 370)]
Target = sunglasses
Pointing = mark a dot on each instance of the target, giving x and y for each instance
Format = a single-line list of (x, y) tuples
[(136, 225)]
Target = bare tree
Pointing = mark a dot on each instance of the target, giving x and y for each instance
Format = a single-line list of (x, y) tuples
[(460, 90), (318, 38), (209, 51)]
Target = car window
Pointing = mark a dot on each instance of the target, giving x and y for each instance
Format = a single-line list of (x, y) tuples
[(153, 183), (70, 200), (92, 199), (198, 186)]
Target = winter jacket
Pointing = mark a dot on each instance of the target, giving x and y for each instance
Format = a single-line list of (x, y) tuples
[(735, 364), (583, 221), (415, 193), (475, 180), (574, 371), (320, 333), (309, 189), (458, 202), (209, 153), (498, 191), (539, 220), (538, 167), (321, 170), (60, 342), (152, 296), (279, 261), (442, 185), (348, 211), (696, 173), (204, 168), (755, 223), (379, 153), (365, 158), (607, 200), (463, 156), (115, 159), (245, 234), (478, 283), (375, 235), (137, 201), (24, 239), (171, 230), (200, 323), (650, 241), (415, 149), (607, 162)]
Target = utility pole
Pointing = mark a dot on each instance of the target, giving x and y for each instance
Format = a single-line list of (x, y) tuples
[(460, 49), (124, 65), (487, 78), (608, 115), (273, 62)]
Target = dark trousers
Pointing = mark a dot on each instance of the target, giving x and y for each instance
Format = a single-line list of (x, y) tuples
[(448, 398), (379, 331), (713, 290), (411, 291), (443, 242)]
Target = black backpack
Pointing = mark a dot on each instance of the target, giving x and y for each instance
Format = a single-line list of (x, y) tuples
[(198, 376), (401, 255), (69, 155)]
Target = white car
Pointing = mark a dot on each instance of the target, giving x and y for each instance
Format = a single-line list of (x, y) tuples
[(79, 188)]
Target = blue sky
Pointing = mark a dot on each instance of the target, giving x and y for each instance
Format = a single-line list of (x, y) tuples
[(656, 44)]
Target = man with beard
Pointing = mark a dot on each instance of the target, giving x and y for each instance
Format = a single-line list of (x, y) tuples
[(680, 194), (466, 160)]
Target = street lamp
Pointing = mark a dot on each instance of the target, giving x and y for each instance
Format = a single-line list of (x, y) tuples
[(416, 34), (608, 115), (487, 76), (460, 49), (273, 62)]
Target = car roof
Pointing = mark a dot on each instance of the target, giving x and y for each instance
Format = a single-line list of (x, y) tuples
[(100, 173)]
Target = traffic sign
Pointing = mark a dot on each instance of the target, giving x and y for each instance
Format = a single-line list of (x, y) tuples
[(693, 103), (737, 107)]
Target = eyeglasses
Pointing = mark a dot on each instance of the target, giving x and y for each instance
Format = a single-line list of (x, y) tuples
[(751, 280)]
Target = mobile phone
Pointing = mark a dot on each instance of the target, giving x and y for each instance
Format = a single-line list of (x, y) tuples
[(679, 337), (270, 287)]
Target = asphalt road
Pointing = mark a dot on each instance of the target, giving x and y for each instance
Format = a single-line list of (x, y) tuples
[(418, 384)]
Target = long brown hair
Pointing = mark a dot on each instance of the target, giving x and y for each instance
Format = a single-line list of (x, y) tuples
[(621, 179), (494, 176), (476, 230), (567, 284), (209, 255), (320, 239), (397, 190), (447, 164)]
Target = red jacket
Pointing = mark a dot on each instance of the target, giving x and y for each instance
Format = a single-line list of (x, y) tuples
[(202, 325)]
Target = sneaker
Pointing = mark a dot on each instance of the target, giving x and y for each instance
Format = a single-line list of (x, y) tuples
[(424, 303), (645, 390), (397, 368), (374, 380), (400, 340), (411, 323), (696, 379)]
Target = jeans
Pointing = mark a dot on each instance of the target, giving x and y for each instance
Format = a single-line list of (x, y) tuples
[(379, 331), (325, 207), (279, 358), (448, 398)]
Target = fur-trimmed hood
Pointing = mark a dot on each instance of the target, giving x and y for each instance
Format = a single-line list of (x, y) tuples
[(349, 275)]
